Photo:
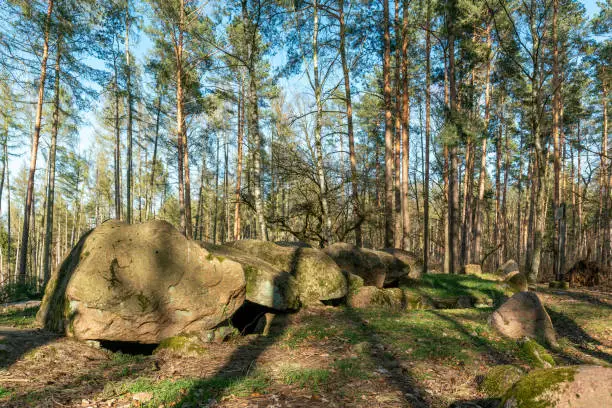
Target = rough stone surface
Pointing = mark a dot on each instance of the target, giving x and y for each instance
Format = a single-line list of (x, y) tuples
[(140, 283), (524, 316), (563, 387), (516, 282), (371, 296), (509, 266), (317, 275), (266, 285), (377, 268)]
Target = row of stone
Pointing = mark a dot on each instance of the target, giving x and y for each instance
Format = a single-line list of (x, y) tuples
[(146, 282)]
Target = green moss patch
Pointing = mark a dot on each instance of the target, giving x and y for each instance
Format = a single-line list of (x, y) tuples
[(536, 388), (499, 379), (182, 344), (537, 356)]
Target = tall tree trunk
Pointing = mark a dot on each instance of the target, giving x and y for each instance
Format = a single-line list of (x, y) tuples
[(48, 238), (406, 135), (606, 178), (453, 188), (397, 233), (318, 127), (540, 160), (180, 120), (8, 204), (556, 83), (349, 126), (478, 208), (215, 216), (239, 160), (128, 74), (154, 159), (117, 142), (389, 224), (253, 120), (25, 233)]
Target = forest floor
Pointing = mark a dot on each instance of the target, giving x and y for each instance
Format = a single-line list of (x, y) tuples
[(320, 357)]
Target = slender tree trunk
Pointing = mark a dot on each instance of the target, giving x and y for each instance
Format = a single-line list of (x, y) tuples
[(504, 206), (606, 178), (8, 204), (405, 106), (349, 126), (453, 188), (556, 83), (388, 128), (48, 238), (23, 255), (427, 128), (128, 73), (117, 142), (318, 127), (478, 218), (216, 213), (250, 32), (397, 233), (154, 159), (239, 160), (180, 121)]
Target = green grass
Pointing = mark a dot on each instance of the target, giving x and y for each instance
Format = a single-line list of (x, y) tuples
[(188, 390), (453, 335), (19, 318), (4, 392), (352, 368), (482, 289), (319, 328), (311, 378)]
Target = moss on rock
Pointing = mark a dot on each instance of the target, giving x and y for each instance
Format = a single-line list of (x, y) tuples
[(499, 379), (538, 388), (535, 354), (182, 344)]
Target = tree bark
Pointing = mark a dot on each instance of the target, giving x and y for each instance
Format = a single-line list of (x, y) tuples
[(23, 255), (48, 238), (406, 135), (318, 127), (128, 73), (349, 127), (239, 160), (478, 218), (389, 224)]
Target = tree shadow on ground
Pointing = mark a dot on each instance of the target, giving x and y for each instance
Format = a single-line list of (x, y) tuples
[(580, 295), (400, 378), (567, 327), (497, 356)]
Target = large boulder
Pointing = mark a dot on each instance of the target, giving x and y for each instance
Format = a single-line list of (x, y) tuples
[(377, 268), (371, 296), (516, 282), (508, 267), (524, 316), (140, 283), (317, 276), (563, 387), (266, 285)]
